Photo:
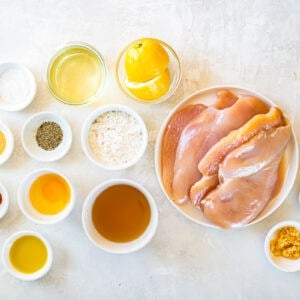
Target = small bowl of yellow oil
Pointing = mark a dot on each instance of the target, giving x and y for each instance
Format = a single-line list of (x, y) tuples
[(27, 255), (46, 196), (76, 74)]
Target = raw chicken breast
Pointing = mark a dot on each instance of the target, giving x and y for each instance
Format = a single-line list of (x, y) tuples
[(248, 177), (209, 165), (173, 131), (171, 138), (202, 133)]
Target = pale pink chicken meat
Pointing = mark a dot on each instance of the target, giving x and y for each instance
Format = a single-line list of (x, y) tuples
[(173, 131), (209, 165), (248, 177), (202, 133), (170, 141)]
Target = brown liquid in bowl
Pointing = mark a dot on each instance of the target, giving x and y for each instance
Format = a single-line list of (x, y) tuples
[(121, 213)]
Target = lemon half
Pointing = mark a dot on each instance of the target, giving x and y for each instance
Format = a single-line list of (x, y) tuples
[(152, 89)]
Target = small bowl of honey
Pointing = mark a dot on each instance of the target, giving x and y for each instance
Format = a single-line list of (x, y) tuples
[(46, 196), (120, 216)]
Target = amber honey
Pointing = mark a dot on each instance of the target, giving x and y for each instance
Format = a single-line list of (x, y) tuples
[(121, 213)]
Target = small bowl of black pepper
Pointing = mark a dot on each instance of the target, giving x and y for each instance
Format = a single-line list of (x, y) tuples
[(46, 137)]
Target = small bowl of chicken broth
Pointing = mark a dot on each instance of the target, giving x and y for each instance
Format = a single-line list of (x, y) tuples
[(120, 216)]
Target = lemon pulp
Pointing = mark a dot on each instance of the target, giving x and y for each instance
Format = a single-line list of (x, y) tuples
[(28, 254), (75, 74)]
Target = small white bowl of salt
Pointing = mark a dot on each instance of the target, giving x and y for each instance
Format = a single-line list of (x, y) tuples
[(17, 86), (114, 137)]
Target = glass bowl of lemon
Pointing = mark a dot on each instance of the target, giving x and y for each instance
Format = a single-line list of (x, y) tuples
[(148, 70)]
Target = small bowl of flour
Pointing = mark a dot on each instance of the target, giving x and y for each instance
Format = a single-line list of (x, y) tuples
[(114, 137), (17, 86)]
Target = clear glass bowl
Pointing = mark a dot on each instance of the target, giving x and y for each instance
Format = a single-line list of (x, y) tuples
[(103, 70), (174, 68)]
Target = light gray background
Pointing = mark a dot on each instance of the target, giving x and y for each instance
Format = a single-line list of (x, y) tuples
[(254, 44)]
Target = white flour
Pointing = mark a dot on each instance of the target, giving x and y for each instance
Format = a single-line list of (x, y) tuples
[(115, 138), (14, 86)]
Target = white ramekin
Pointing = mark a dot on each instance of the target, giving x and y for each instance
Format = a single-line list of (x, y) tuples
[(29, 211), (10, 268), (102, 242), (8, 150), (5, 200), (31, 82), (29, 137), (281, 263), (85, 135)]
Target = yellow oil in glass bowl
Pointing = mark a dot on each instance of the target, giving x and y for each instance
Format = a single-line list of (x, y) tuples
[(76, 74)]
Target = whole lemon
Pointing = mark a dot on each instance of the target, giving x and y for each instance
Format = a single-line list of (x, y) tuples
[(145, 59)]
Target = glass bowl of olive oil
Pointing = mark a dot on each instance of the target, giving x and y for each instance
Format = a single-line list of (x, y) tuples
[(76, 74)]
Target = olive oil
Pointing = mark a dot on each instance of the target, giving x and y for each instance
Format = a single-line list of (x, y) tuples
[(121, 213), (28, 254), (75, 74)]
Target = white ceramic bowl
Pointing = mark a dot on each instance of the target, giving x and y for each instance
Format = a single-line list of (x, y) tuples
[(85, 136), (10, 268), (281, 263), (9, 143), (29, 141), (29, 211), (102, 242), (5, 201), (208, 96), (30, 81)]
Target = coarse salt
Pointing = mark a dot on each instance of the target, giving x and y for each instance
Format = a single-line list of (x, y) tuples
[(14, 86), (115, 138)]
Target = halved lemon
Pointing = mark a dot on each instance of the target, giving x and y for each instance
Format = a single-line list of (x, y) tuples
[(145, 59), (152, 89)]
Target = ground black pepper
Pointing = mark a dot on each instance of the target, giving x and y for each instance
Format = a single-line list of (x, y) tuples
[(49, 136)]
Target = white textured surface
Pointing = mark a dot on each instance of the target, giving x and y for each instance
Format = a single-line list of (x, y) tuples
[(251, 43)]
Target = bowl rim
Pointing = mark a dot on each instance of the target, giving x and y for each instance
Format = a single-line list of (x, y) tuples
[(50, 157), (144, 239), (55, 55), (54, 218), (5, 200), (93, 116), (158, 147), (32, 85), (270, 236), (166, 96), (10, 143), (23, 276)]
